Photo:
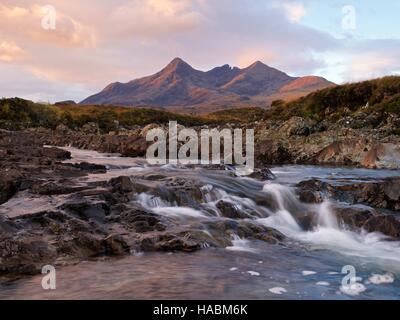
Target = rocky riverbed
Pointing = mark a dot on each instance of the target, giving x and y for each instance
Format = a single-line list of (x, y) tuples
[(65, 206), (364, 140)]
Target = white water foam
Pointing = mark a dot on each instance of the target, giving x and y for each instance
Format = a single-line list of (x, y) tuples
[(381, 278), (278, 290), (353, 289), (308, 273), (327, 234), (239, 244), (161, 207)]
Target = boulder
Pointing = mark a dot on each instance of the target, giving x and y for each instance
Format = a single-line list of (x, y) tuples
[(231, 211), (368, 219), (262, 174), (269, 152)]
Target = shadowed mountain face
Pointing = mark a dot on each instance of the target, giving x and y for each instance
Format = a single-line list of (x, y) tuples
[(179, 85)]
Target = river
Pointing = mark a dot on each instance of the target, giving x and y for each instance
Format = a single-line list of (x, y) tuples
[(308, 265)]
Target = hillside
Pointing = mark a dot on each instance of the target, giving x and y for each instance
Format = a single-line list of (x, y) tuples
[(377, 97), (18, 113), (374, 99), (180, 87)]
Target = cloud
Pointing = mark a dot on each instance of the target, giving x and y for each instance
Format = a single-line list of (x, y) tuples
[(119, 40), (370, 65), (25, 23), (150, 19), (16, 82), (294, 11), (9, 51), (358, 60)]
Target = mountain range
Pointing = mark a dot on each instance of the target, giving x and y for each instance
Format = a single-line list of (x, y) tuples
[(180, 87)]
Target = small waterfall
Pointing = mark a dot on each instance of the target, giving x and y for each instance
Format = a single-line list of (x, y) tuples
[(271, 204), (326, 232), (326, 218), (288, 205), (281, 194), (285, 202)]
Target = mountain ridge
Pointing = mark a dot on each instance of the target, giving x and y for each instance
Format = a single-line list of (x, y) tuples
[(179, 85)]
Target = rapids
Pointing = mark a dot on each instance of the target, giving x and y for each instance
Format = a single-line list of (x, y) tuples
[(307, 265)]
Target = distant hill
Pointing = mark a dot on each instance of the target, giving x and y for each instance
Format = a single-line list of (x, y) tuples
[(373, 101), (179, 86)]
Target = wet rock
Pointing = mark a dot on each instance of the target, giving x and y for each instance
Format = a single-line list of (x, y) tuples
[(384, 194), (90, 167), (183, 241), (24, 256), (182, 191), (56, 153), (122, 189), (142, 221), (96, 209), (229, 210), (81, 245), (307, 220), (10, 181), (55, 188), (309, 196), (252, 230), (223, 231), (122, 184), (263, 174), (368, 219), (115, 245)]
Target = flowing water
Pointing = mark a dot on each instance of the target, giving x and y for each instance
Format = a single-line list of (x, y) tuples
[(308, 265)]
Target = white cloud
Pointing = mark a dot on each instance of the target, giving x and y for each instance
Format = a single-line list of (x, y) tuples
[(295, 11), (9, 51), (25, 23), (152, 19), (119, 40)]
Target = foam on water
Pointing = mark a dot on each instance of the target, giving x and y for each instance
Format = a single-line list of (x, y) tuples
[(162, 207), (308, 273), (278, 290), (239, 244), (381, 278), (327, 234), (353, 289)]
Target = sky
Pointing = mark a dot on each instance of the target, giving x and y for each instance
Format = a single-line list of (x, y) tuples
[(57, 50)]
